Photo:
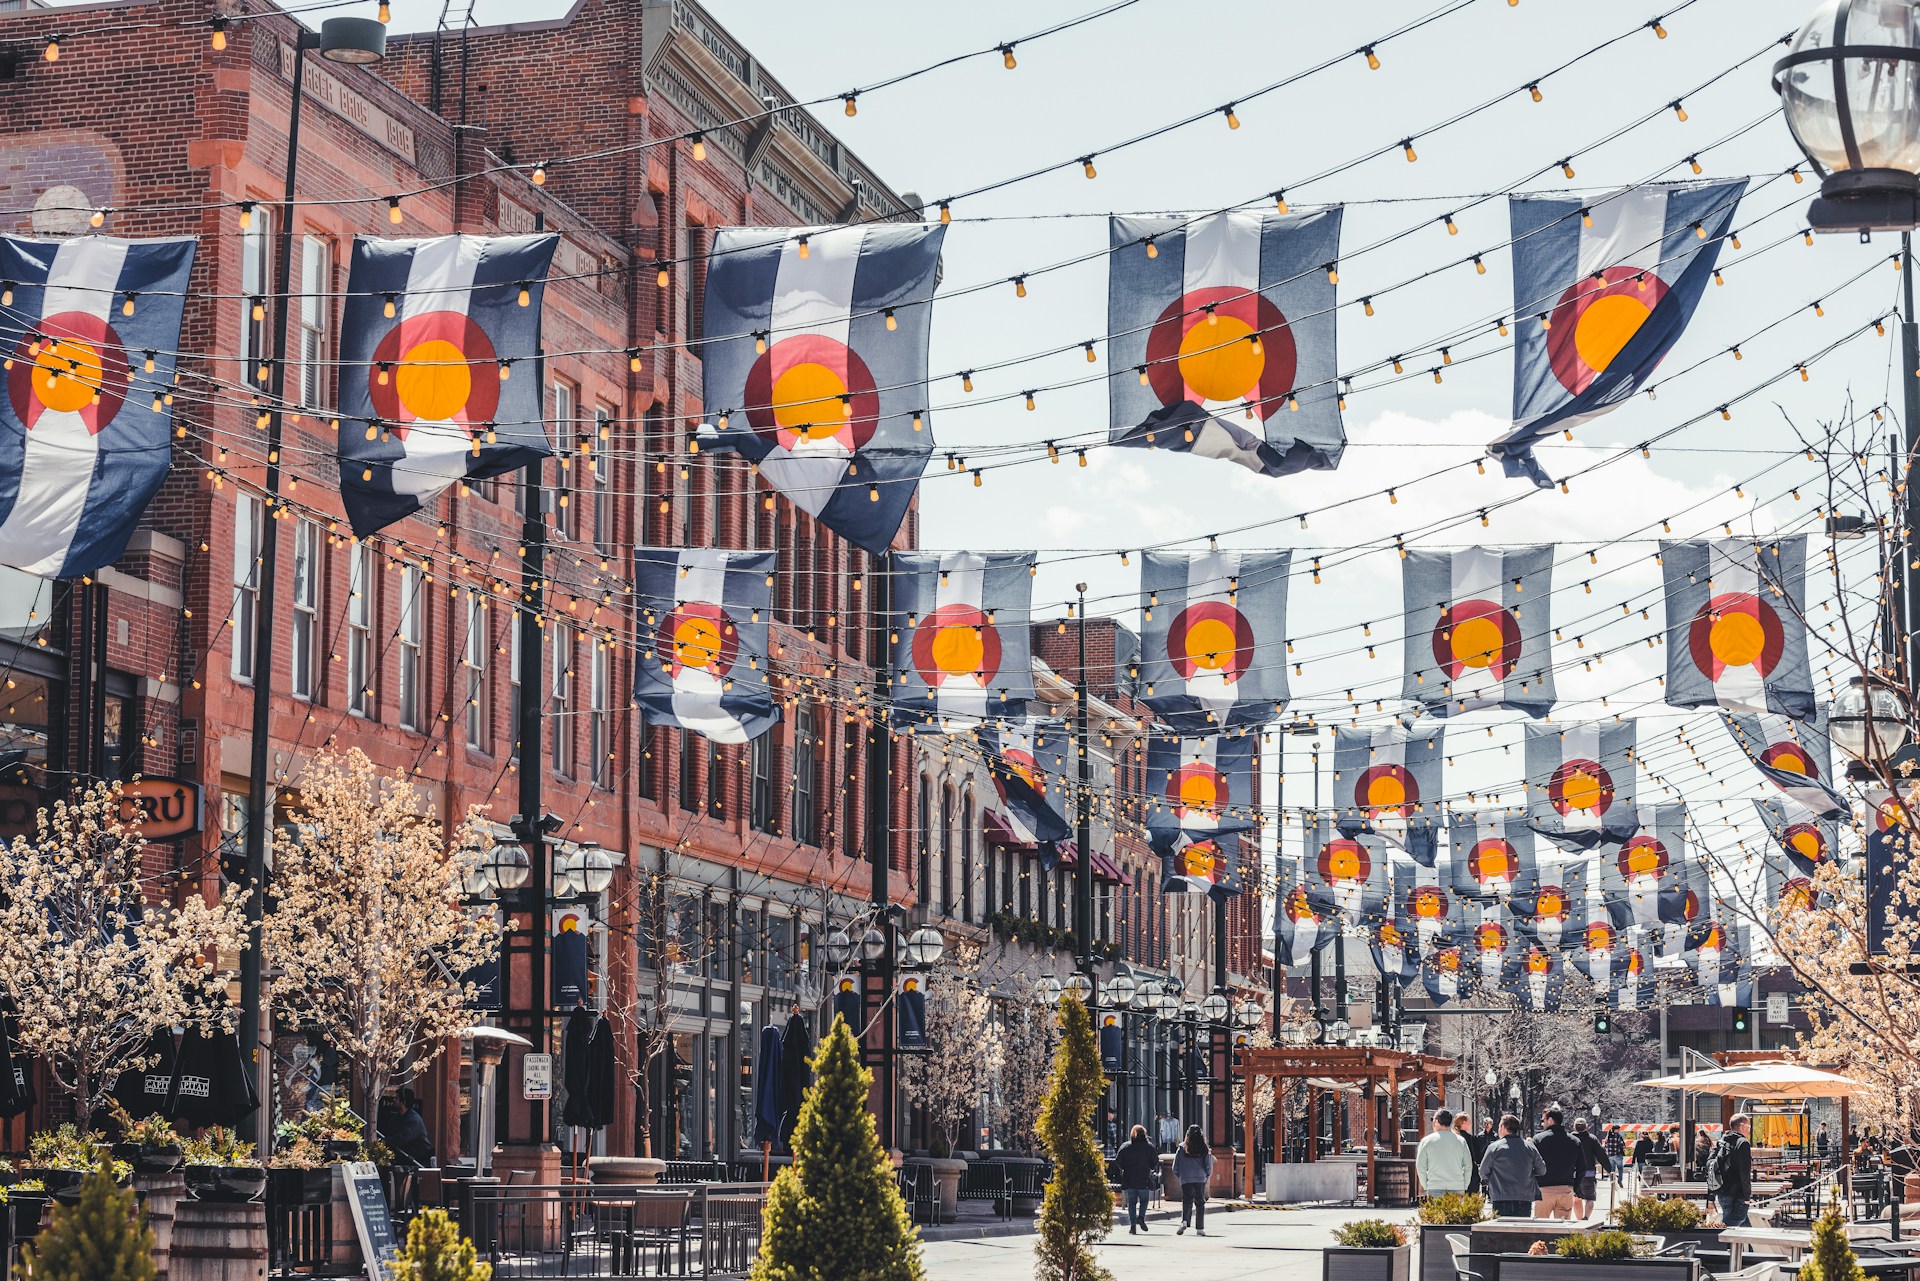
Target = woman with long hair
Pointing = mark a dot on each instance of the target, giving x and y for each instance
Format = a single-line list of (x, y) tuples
[(1193, 1169)]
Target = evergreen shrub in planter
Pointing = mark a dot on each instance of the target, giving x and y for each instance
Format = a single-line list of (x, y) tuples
[(1440, 1216), (1368, 1250)]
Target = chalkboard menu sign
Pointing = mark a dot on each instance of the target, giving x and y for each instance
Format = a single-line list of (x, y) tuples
[(371, 1220)]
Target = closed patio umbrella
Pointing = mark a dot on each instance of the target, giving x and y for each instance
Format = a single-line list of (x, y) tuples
[(212, 1084), (766, 1094), (144, 1093), (796, 1048)]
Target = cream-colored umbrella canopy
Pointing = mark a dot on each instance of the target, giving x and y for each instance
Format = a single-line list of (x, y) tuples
[(1775, 1080)]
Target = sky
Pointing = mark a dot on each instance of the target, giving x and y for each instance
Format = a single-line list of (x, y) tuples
[(1131, 71)]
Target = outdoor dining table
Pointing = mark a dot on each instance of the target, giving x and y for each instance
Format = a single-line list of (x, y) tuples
[(1792, 1242)]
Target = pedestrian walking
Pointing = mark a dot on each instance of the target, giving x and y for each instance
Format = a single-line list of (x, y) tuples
[(1616, 1149), (1444, 1161), (1193, 1169), (1593, 1159), (1510, 1171), (1730, 1172), (1139, 1176), (1703, 1153), (1822, 1142), (1561, 1152), (1476, 1148)]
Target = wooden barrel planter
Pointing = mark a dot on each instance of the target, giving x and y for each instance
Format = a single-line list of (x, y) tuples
[(162, 1194), (219, 1241)]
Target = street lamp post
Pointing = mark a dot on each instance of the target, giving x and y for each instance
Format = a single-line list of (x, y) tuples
[(1083, 833), (354, 42), (1850, 91)]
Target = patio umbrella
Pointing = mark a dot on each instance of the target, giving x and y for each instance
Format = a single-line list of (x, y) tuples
[(212, 1084), (16, 1083), (796, 1047), (575, 1068), (1762, 1081), (766, 1089), (144, 1093)]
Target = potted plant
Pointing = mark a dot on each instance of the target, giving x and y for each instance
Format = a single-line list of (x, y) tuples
[(150, 1145), (336, 1130), (1367, 1250), (27, 1199), (221, 1167), (1440, 1216), (61, 1159), (1675, 1220)]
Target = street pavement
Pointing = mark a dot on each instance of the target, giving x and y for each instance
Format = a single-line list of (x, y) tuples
[(1273, 1245)]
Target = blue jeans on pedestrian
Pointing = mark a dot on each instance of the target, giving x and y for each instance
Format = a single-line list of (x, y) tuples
[(1513, 1209), (1733, 1210), (1618, 1163), (1137, 1206)]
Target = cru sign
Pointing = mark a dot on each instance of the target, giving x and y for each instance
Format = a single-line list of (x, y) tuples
[(164, 807)]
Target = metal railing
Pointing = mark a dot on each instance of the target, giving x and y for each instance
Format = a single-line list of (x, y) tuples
[(593, 1232)]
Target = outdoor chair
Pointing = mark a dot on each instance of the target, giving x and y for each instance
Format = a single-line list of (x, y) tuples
[(1462, 1246), (656, 1226)]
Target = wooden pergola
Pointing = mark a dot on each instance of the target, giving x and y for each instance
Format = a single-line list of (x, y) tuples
[(1362, 1066)]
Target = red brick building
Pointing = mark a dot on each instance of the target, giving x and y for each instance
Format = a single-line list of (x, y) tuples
[(403, 645)]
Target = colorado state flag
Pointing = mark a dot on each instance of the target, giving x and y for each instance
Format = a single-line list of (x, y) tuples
[(961, 651), (1467, 646), (1603, 286), (814, 365), (1223, 337), (1735, 635), (703, 640), (439, 372), (90, 331), (1213, 648)]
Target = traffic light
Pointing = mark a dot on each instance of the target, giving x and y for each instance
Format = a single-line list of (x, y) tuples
[(1742, 1019), (1602, 1023)]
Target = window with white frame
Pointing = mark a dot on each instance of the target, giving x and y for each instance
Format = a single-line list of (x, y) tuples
[(514, 692), (560, 688), (474, 659), (602, 481), (359, 630), (601, 721), (408, 634), (313, 389), (246, 582), (256, 306), (307, 559), (565, 399), (806, 759)]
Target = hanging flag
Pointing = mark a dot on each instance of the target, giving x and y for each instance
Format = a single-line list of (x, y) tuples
[(1467, 647), (1551, 911), (1493, 856), (1387, 780), (431, 336), (912, 1004), (1889, 846), (1213, 650), (1201, 863), (848, 1004), (1198, 785), (1347, 874), (1440, 972), (1536, 978), (1795, 755), (1299, 931), (1580, 783), (1027, 762), (1395, 955), (1689, 909), (1734, 635), (1223, 337), (1423, 900), (1603, 286), (1803, 838), (703, 640), (1491, 944), (1723, 970), (1113, 1043), (91, 328), (960, 622), (1617, 967), (1644, 882), (1790, 892), (814, 365)]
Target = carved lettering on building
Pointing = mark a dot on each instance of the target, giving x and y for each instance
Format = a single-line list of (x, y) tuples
[(352, 107)]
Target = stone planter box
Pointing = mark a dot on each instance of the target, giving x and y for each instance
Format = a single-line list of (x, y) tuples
[(627, 1171), (1525, 1268), (1352, 1263)]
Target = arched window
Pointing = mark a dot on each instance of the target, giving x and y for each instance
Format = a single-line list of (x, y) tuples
[(946, 850), (925, 883), (966, 859)]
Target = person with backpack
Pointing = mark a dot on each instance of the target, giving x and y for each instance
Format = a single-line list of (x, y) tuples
[(1561, 1152), (1139, 1175), (1193, 1168), (1730, 1172)]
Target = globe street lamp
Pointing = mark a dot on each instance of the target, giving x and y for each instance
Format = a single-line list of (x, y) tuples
[(838, 947), (1080, 987), (1248, 1016), (1849, 92), (923, 949), (1047, 990), (1214, 1008), (1868, 723)]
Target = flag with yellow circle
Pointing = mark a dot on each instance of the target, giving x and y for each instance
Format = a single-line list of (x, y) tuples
[(1809, 842), (960, 628), (440, 376), (702, 640), (1796, 756), (813, 361), (1213, 646), (1222, 337), (1387, 781), (1478, 630), (1580, 782), (1735, 635), (1603, 287)]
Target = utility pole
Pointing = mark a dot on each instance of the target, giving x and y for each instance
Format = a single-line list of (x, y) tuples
[(531, 828), (880, 826), (1910, 353), (1083, 834)]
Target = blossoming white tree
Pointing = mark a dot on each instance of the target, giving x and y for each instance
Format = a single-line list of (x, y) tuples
[(368, 940), (951, 1077), (92, 961), (1026, 1033)]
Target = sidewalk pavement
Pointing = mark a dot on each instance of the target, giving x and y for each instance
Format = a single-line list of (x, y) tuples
[(1272, 1244)]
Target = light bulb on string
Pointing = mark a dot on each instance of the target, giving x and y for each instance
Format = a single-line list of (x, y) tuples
[(1534, 89), (853, 108), (1233, 121), (394, 215), (1373, 59), (386, 11), (52, 53)]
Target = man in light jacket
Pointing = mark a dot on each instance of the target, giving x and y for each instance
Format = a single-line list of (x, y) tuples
[(1510, 1171), (1444, 1160)]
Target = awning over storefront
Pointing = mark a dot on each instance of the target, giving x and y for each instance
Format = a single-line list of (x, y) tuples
[(997, 830)]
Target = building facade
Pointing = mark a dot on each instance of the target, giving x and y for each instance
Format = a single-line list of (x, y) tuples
[(731, 862)]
